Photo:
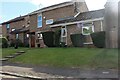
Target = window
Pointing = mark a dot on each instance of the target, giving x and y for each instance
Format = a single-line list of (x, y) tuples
[(27, 35), (64, 32), (87, 29), (0, 35), (40, 36), (17, 36), (39, 21), (50, 21), (7, 26), (13, 29)]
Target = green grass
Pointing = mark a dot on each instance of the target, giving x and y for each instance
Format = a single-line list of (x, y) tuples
[(69, 57), (9, 51)]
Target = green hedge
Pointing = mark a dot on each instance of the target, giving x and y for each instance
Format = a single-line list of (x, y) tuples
[(77, 40), (57, 35), (18, 42), (3, 42), (98, 39), (48, 38)]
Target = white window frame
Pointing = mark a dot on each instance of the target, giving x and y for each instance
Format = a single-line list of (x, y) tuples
[(7, 26), (27, 35), (87, 27), (17, 36), (39, 21), (62, 29), (39, 35), (13, 29), (49, 21)]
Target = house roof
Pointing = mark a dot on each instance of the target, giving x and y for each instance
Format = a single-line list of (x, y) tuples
[(52, 7), (40, 10), (82, 16), (14, 20)]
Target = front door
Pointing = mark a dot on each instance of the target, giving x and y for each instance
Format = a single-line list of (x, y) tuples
[(32, 40), (64, 34)]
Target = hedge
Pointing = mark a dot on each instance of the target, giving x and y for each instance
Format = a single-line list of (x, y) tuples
[(77, 40), (57, 36), (48, 38), (3, 42), (18, 42), (98, 39)]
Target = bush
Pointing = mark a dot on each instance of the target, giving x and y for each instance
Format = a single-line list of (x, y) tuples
[(57, 38), (98, 39), (18, 42), (77, 40), (3, 42), (48, 38)]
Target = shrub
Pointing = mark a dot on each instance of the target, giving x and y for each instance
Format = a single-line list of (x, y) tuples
[(3, 42), (98, 39), (57, 38), (48, 38), (17, 41), (77, 40)]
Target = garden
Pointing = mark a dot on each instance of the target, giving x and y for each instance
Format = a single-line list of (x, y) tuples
[(57, 55)]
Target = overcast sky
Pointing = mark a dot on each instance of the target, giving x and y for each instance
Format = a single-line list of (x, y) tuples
[(12, 8)]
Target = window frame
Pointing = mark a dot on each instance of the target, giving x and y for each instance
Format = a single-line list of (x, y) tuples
[(39, 21), (7, 26), (87, 27), (17, 36), (62, 29), (50, 22), (39, 36), (12, 29)]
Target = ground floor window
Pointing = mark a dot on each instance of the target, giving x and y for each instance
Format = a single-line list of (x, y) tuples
[(87, 29), (27, 35), (39, 35), (17, 36)]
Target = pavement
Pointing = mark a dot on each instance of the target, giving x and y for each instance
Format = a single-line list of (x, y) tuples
[(44, 72)]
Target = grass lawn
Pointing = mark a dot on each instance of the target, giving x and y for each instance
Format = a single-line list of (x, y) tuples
[(68, 57), (8, 51)]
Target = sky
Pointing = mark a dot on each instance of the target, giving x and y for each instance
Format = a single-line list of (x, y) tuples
[(10, 9)]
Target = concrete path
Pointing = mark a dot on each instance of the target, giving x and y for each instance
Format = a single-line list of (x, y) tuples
[(50, 72)]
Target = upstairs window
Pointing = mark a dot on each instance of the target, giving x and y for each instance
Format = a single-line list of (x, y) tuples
[(50, 21), (7, 26), (39, 21)]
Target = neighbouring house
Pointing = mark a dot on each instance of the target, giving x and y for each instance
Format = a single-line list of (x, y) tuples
[(84, 23), (0, 30), (16, 29), (28, 28)]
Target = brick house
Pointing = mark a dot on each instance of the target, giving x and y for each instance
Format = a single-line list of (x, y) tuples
[(0, 30), (92, 21), (28, 28)]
